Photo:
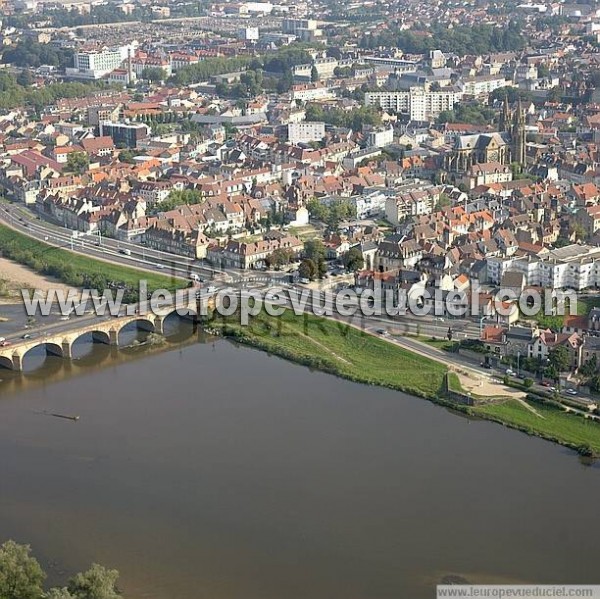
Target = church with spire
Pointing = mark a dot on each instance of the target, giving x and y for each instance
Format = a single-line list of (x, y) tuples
[(507, 145)]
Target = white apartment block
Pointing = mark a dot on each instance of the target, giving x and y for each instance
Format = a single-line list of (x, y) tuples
[(483, 84), (421, 105), (369, 205), (417, 202), (380, 138), (306, 131), (574, 266), (316, 91), (95, 64)]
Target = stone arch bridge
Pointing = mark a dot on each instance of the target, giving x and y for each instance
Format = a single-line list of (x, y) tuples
[(106, 331)]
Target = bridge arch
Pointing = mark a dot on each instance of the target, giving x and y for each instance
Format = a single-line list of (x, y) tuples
[(189, 313), (6, 363), (128, 332), (142, 323), (51, 349), (96, 336)]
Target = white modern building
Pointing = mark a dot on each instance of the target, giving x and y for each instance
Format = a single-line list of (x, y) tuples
[(483, 84), (574, 266), (306, 131), (380, 137), (95, 64), (419, 104)]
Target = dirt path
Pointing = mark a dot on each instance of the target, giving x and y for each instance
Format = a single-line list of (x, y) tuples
[(529, 407)]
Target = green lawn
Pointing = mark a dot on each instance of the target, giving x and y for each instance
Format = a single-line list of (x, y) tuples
[(439, 343), (341, 350), (553, 423), (75, 269), (454, 383)]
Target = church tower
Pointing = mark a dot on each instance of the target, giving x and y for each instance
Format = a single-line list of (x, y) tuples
[(518, 135), (504, 122)]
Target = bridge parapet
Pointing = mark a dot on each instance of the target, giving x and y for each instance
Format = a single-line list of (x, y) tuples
[(103, 331)]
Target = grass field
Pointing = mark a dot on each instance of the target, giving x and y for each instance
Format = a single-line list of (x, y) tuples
[(74, 269), (341, 350), (550, 423)]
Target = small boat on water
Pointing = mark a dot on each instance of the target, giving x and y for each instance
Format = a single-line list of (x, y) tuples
[(66, 417)]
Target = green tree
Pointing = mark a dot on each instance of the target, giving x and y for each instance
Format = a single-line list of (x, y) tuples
[(314, 74), (280, 257), (77, 163), (590, 367), (594, 383), (578, 231), (307, 269), (25, 78), (21, 576), (97, 583), (560, 358), (551, 373), (154, 74), (58, 593), (314, 250), (353, 260), (179, 198)]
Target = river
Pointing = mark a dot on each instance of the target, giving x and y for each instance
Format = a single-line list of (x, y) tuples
[(219, 472)]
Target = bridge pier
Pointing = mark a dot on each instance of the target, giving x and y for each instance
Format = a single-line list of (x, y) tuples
[(67, 350), (159, 322), (17, 360)]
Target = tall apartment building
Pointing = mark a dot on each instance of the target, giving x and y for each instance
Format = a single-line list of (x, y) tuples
[(306, 131), (304, 29), (419, 104)]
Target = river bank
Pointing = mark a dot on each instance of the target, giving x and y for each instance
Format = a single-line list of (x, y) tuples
[(356, 355), (331, 347), (14, 277)]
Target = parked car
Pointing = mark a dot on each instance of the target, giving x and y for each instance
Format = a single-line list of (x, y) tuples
[(26, 336), (4, 343), (570, 392), (510, 372), (486, 365)]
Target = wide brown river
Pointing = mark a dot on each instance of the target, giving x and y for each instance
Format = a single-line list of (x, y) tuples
[(211, 471)]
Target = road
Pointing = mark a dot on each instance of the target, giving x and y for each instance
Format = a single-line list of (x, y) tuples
[(103, 248)]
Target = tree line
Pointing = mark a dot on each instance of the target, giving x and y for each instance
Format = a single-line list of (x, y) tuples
[(461, 40), (22, 577), (13, 94), (354, 119), (273, 69), (29, 53)]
